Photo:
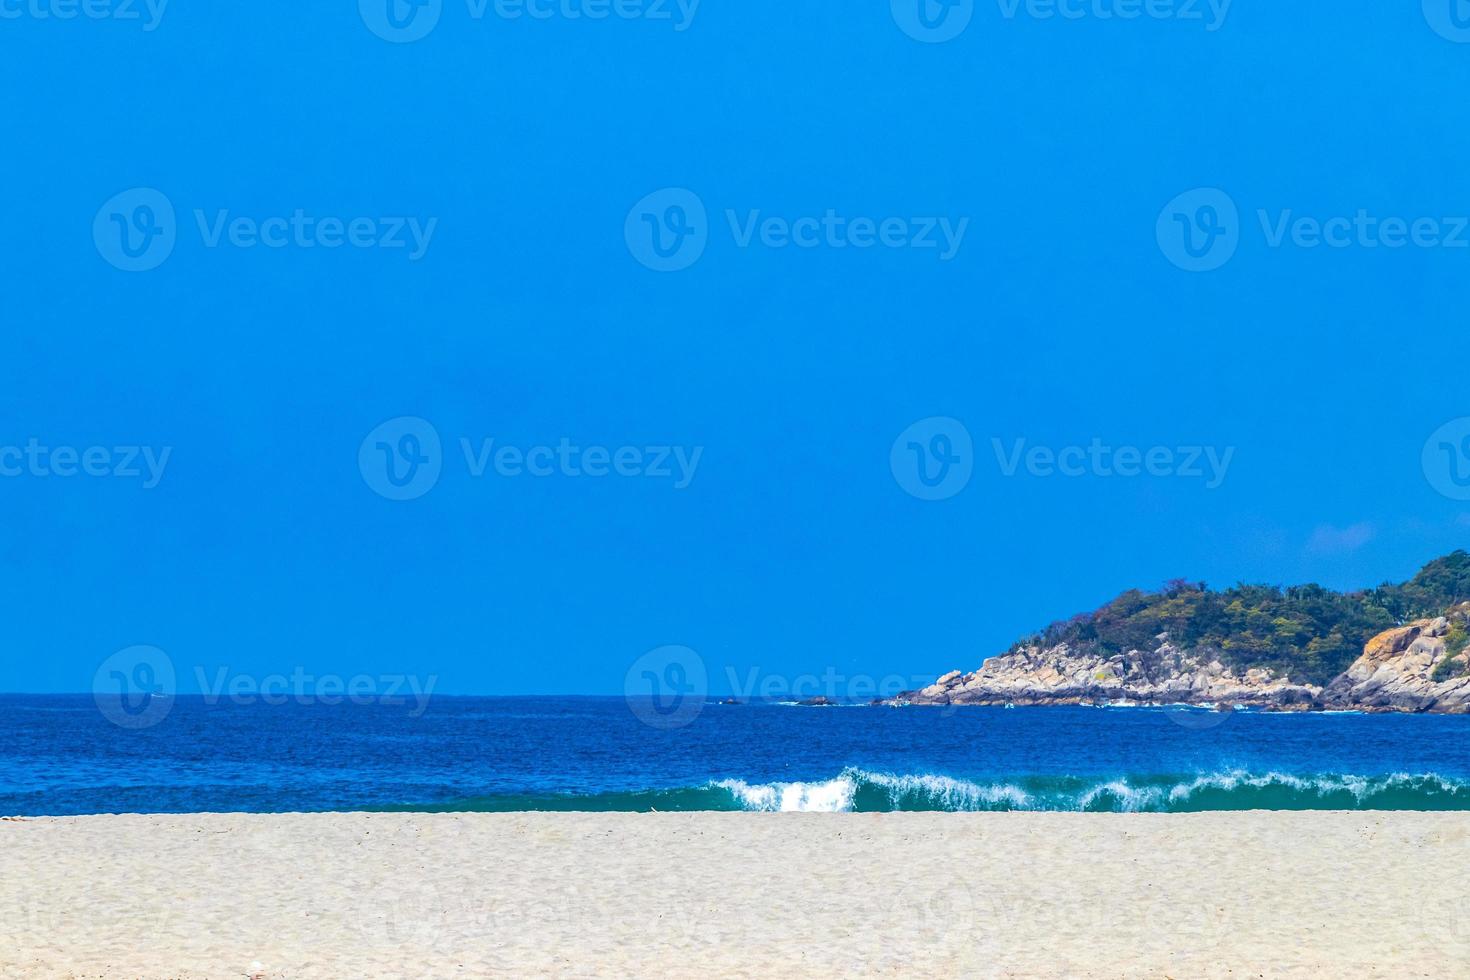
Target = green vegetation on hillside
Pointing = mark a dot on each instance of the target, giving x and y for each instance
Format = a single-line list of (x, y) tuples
[(1305, 632), (1449, 667)]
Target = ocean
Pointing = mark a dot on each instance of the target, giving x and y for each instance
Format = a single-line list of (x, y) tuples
[(60, 755)]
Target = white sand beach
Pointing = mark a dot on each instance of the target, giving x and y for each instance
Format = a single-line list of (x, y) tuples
[(739, 895)]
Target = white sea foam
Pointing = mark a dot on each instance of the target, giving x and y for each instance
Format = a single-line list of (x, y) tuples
[(1129, 798), (950, 793), (906, 791), (829, 796), (1366, 787), (1121, 794), (1361, 788)]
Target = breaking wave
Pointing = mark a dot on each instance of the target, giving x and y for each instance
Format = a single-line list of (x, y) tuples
[(861, 791)]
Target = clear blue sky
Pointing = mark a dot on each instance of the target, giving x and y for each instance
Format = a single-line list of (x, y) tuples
[(529, 319)]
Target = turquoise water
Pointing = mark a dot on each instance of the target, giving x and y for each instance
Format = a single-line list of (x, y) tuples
[(60, 755)]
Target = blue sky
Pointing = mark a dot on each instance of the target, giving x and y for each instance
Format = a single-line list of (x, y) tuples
[(525, 151)]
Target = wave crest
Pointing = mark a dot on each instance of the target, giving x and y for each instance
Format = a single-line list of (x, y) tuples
[(862, 791), (858, 789)]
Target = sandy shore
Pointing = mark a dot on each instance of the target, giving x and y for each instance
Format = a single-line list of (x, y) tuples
[(1043, 895)]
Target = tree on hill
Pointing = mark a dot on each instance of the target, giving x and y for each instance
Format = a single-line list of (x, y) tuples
[(1305, 632)]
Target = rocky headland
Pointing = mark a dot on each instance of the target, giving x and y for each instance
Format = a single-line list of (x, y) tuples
[(1299, 649), (1418, 667)]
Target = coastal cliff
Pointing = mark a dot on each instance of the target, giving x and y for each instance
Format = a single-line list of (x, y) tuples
[(1164, 675), (1423, 666), (1394, 648)]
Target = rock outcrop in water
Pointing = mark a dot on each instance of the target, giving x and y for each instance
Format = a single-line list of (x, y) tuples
[(1164, 675), (1421, 665)]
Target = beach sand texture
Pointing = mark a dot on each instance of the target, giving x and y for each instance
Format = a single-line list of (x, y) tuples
[(739, 895)]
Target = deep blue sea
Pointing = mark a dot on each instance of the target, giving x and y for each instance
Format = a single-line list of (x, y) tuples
[(61, 755)]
